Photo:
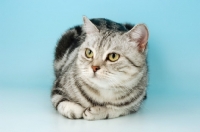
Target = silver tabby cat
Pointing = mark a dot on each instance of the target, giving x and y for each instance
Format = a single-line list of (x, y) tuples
[(101, 70)]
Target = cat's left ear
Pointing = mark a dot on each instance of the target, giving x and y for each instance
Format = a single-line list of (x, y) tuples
[(89, 27), (140, 35)]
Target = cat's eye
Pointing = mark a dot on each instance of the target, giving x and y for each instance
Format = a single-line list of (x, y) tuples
[(88, 53), (113, 57)]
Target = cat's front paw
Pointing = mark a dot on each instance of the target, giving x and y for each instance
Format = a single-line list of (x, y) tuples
[(70, 110), (95, 113)]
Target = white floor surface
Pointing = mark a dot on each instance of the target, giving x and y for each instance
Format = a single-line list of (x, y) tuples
[(30, 110)]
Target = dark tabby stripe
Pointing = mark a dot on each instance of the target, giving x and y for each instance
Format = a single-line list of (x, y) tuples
[(56, 91), (128, 94), (128, 26), (88, 98), (132, 90), (59, 71), (70, 40), (132, 62), (63, 99), (103, 39), (91, 89), (107, 116), (108, 24), (68, 66), (78, 30), (64, 43), (128, 102), (57, 83), (145, 97)]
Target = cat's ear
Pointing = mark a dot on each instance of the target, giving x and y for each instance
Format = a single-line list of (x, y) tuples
[(89, 27), (140, 35)]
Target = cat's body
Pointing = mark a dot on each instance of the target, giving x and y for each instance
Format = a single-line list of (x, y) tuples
[(100, 69)]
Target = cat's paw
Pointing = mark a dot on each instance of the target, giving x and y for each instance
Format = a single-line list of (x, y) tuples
[(70, 110), (95, 113)]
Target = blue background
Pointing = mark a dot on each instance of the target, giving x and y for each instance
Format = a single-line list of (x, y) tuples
[(30, 29)]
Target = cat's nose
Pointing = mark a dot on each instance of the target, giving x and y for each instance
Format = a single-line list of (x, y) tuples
[(95, 68)]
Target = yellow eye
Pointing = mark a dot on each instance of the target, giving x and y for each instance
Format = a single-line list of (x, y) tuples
[(113, 57), (88, 53)]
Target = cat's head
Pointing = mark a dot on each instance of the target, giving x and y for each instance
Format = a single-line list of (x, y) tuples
[(109, 58)]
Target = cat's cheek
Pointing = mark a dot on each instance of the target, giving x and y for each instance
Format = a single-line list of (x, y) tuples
[(88, 74), (121, 78), (131, 72)]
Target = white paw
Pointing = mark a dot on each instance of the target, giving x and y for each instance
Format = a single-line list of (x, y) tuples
[(70, 110), (95, 113)]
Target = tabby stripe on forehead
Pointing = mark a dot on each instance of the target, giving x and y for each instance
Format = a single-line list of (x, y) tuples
[(63, 99), (104, 37)]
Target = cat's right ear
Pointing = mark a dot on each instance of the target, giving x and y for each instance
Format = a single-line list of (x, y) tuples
[(140, 35), (89, 27)]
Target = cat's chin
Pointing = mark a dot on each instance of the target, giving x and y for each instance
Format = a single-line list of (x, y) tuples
[(99, 82)]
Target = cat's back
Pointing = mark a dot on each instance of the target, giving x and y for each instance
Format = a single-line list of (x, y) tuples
[(69, 41)]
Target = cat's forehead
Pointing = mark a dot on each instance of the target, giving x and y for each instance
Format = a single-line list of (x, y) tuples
[(106, 40)]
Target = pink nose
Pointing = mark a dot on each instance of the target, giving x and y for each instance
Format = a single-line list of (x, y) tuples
[(95, 68)]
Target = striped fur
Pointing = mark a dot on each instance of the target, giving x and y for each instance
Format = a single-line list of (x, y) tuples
[(118, 88)]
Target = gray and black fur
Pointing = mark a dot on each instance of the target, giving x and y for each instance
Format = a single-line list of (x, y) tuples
[(75, 95)]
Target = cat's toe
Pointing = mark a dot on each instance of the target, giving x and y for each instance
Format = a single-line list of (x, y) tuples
[(94, 113), (97, 110), (71, 115), (88, 115)]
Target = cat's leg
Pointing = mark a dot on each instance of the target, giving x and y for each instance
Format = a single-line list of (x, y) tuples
[(99, 112), (65, 107)]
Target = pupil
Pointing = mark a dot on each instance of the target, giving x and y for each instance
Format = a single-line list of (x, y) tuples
[(89, 52), (113, 55)]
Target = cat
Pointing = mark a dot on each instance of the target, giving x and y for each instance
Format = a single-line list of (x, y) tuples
[(101, 70)]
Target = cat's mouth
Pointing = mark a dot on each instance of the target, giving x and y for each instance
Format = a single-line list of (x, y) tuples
[(95, 75)]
